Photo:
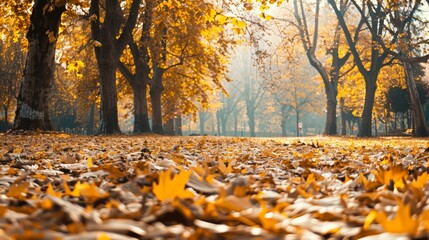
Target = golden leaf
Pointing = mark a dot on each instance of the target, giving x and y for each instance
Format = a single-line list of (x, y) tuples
[(50, 191), (221, 18), (403, 222), (221, 166), (17, 190), (103, 236), (170, 188), (89, 162)]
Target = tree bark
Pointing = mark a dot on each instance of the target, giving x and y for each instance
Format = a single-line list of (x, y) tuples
[(91, 121), (420, 125), (169, 127), (107, 69), (365, 129), (32, 110), (251, 117), (107, 57), (6, 115), (343, 118), (156, 89), (141, 115), (331, 115)]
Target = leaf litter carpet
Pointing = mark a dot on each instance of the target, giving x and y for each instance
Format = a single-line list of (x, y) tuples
[(58, 186)]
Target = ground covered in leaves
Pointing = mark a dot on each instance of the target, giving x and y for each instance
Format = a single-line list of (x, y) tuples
[(57, 186)]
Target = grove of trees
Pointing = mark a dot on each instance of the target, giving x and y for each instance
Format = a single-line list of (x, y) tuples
[(256, 68)]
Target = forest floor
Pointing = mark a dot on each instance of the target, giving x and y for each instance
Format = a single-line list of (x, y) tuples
[(58, 186)]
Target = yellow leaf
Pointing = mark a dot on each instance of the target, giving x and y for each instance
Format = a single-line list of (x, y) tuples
[(221, 18), (3, 210), (421, 181), (91, 192), (403, 222), (17, 190), (103, 236), (89, 162), (50, 191), (310, 179), (221, 166), (369, 219), (170, 188)]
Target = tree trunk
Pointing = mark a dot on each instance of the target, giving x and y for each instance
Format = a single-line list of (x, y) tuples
[(223, 126), (91, 120), (107, 69), (178, 125), (331, 116), (284, 126), (218, 122), (416, 107), (6, 115), (297, 124), (141, 115), (169, 127), (366, 123), (251, 116), (343, 118), (32, 110), (202, 117), (156, 89)]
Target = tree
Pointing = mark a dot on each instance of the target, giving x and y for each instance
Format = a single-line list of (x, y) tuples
[(247, 81), (402, 16), (229, 104), (140, 79), (32, 110), (371, 15), (330, 75), (293, 86), (11, 65), (108, 48)]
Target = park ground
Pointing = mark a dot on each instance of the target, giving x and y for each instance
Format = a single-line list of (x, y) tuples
[(59, 186)]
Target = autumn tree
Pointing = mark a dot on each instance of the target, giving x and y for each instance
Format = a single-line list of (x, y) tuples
[(32, 110), (330, 74), (111, 35), (11, 65), (371, 15), (292, 85), (247, 82), (181, 46), (406, 44), (229, 105)]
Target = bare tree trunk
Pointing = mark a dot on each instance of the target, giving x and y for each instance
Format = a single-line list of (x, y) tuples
[(32, 110)]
